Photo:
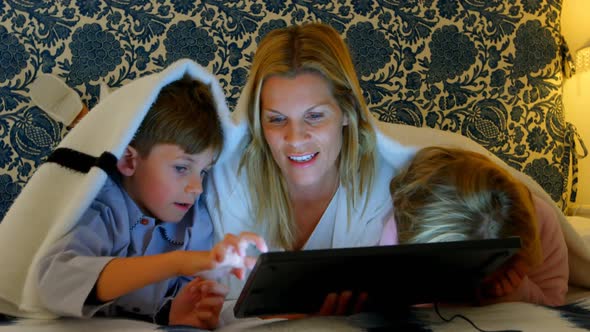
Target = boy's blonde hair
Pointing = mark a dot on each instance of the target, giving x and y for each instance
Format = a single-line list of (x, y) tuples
[(448, 194), (311, 48), (183, 114)]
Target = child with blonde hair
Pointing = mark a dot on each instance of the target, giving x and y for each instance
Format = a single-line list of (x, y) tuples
[(449, 194)]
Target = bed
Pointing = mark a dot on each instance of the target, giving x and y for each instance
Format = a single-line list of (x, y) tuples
[(501, 87), (574, 316)]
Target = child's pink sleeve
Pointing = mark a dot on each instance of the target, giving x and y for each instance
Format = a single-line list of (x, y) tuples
[(548, 283), (389, 235)]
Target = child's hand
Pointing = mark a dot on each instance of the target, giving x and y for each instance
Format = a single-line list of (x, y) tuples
[(504, 281), (198, 304), (229, 255)]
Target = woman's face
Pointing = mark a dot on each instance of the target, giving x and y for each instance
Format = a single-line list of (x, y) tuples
[(302, 124)]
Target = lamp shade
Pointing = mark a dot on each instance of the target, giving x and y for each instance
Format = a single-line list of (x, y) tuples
[(583, 60)]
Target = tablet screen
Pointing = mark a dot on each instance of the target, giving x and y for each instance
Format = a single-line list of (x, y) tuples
[(400, 275)]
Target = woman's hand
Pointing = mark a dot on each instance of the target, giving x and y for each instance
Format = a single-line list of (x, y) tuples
[(335, 304), (340, 304)]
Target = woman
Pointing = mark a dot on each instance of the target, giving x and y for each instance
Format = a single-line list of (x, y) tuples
[(302, 174)]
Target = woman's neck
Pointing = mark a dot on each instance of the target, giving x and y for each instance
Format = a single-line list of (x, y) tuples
[(316, 192), (309, 205)]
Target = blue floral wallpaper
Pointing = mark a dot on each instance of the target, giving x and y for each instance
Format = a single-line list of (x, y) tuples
[(488, 69)]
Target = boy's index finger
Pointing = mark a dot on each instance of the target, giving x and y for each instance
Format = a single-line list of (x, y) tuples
[(232, 243), (255, 239)]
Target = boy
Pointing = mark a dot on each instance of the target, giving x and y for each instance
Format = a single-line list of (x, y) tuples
[(130, 252), (447, 194)]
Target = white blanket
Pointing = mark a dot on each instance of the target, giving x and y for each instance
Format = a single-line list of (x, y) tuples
[(518, 317), (55, 197), (578, 250)]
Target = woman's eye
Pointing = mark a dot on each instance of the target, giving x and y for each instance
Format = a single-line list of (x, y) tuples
[(315, 116), (276, 119), (204, 173)]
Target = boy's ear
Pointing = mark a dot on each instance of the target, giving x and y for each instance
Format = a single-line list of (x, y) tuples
[(128, 161)]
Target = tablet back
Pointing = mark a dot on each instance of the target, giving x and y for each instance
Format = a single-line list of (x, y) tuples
[(401, 275)]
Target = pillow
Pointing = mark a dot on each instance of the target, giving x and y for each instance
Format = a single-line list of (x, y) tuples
[(581, 225), (489, 70)]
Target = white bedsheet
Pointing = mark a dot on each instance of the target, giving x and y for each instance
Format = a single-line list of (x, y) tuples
[(506, 316), (582, 226), (575, 316)]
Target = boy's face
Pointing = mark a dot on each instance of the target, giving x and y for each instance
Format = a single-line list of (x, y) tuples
[(166, 183)]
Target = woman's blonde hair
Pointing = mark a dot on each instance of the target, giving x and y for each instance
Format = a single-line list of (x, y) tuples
[(448, 194), (311, 48)]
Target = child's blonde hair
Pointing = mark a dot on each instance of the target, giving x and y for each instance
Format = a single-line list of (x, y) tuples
[(448, 194)]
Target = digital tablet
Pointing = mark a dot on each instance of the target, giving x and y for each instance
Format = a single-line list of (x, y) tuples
[(393, 276)]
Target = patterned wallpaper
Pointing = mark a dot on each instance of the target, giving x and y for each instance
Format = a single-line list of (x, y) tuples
[(488, 69)]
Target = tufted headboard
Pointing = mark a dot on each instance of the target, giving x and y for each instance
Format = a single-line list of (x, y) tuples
[(488, 69)]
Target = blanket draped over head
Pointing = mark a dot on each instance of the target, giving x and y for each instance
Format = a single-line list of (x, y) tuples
[(63, 187), (578, 249)]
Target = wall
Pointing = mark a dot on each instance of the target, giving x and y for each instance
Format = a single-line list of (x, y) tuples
[(575, 28)]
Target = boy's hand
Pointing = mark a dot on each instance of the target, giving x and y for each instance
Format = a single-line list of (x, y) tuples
[(198, 304), (229, 255), (504, 281)]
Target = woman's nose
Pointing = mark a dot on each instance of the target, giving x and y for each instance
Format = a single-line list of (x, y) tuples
[(295, 133)]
